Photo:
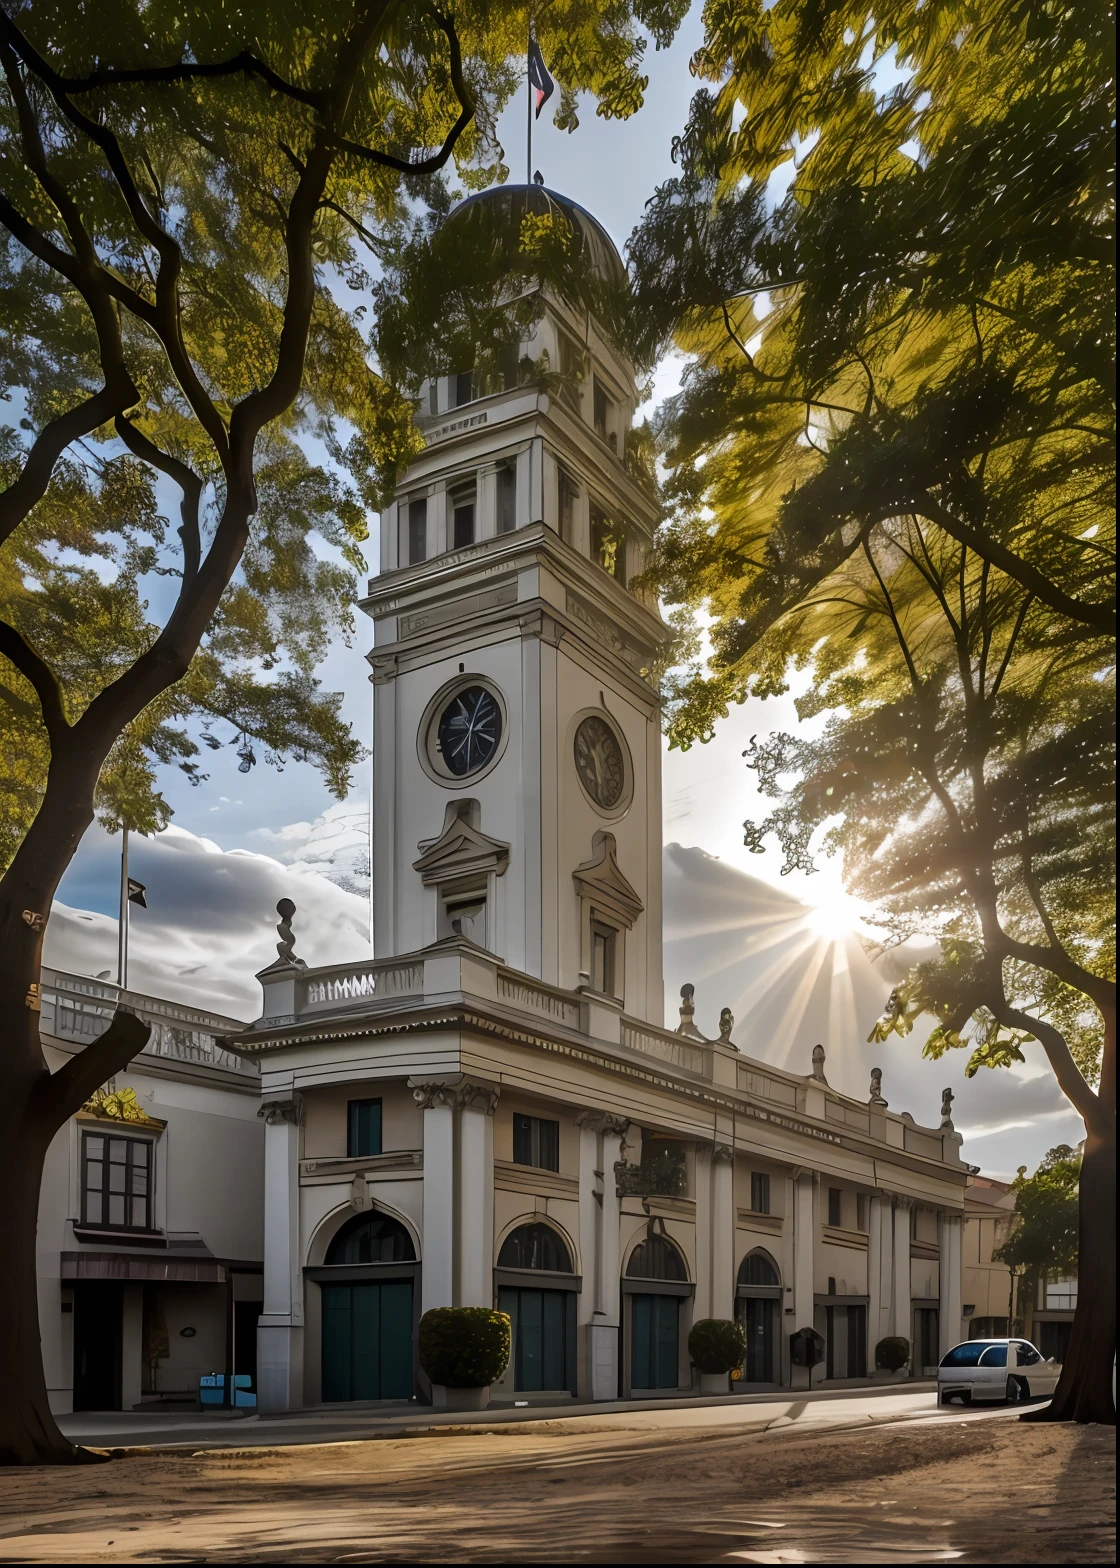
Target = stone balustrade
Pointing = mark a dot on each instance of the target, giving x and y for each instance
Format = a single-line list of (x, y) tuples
[(78, 1008)]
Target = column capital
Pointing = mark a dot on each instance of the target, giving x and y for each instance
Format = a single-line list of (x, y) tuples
[(604, 1121), (289, 1110), (429, 1093), (478, 1097), (723, 1154)]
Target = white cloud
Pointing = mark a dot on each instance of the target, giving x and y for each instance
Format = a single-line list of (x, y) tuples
[(210, 923)]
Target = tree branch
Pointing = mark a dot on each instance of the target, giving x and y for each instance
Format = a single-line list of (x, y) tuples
[(187, 71), (38, 674), (1101, 617), (1058, 1054), (437, 160), (185, 477), (65, 1092)]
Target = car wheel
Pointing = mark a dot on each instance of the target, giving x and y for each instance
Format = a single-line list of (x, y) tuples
[(947, 1399), (966, 1397), (1014, 1391)]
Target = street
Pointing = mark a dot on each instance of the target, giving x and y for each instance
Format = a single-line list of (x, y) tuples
[(856, 1476)]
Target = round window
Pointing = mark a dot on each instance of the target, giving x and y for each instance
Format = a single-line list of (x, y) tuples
[(600, 762), (469, 731)]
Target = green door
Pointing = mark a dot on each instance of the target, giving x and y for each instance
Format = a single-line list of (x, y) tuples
[(654, 1353), (367, 1341), (543, 1337)]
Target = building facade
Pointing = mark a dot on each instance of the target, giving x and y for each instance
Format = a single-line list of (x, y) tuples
[(490, 1111), (151, 1210)]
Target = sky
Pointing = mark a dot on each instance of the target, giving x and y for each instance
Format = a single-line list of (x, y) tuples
[(777, 950)]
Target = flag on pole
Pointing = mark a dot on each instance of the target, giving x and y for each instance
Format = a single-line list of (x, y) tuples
[(539, 79), (136, 891)]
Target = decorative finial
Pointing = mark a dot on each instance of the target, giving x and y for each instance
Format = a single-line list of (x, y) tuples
[(538, 177), (876, 1087), (286, 945), (726, 1024), (818, 1063), (687, 1012), (947, 1109)]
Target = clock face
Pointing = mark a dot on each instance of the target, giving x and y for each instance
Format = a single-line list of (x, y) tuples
[(470, 728), (599, 762)]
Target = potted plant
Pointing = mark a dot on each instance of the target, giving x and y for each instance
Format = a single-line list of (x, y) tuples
[(717, 1347), (892, 1356), (463, 1350)]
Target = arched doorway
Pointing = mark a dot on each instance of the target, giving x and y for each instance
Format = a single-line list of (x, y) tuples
[(758, 1304), (656, 1282), (367, 1310), (537, 1286)]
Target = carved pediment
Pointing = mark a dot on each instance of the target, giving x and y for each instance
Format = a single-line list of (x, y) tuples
[(462, 849), (601, 880)]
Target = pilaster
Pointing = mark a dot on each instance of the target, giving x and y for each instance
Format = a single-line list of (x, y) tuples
[(722, 1304), (804, 1253), (280, 1326), (602, 1138), (702, 1176), (951, 1309), (900, 1273), (438, 1100), (475, 1195)]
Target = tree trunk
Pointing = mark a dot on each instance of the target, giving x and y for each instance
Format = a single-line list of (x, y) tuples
[(36, 1104), (1084, 1391)]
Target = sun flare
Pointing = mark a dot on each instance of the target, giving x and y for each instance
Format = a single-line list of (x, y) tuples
[(835, 916)]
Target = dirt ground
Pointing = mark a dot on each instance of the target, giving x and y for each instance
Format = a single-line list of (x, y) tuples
[(988, 1491)]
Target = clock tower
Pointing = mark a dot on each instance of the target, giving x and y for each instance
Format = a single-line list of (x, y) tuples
[(517, 760)]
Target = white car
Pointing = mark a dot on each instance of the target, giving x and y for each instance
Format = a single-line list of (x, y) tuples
[(1010, 1369)]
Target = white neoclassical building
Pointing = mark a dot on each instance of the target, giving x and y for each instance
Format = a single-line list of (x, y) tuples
[(491, 1110)]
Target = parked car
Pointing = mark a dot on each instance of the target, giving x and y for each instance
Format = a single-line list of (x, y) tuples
[(1010, 1369)]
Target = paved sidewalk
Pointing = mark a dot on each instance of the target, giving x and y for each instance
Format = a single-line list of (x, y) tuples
[(330, 1423)]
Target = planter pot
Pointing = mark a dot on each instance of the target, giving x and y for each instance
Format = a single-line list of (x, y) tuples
[(715, 1382), (444, 1398)]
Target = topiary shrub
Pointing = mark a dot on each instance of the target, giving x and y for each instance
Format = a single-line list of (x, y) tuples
[(717, 1345), (464, 1347), (892, 1353)]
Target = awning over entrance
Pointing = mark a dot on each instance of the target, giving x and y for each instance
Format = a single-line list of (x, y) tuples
[(121, 1266)]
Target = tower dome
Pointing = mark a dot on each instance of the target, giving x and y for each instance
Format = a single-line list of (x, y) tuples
[(497, 213)]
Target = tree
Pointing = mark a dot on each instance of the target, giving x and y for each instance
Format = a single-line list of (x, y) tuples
[(191, 199), (891, 464), (1044, 1243)]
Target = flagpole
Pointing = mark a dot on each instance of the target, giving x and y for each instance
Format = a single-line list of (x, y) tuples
[(529, 113), (122, 922)]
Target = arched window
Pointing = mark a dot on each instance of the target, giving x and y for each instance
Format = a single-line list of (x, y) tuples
[(535, 1247), (758, 1268), (371, 1238), (656, 1258)]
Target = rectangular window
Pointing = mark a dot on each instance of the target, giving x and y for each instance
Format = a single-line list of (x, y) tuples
[(363, 1127), (834, 1206), (463, 387), (862, 1210), (571, 371), (462, 518), (603, 940), (417, 531), (433, 396), (602, 404), (603, 547), (536, 1141), (760, 1192), (566, 506), (116, 1182), (507, 499), (509, 364)]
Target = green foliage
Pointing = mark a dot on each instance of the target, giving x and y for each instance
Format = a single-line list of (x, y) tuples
[(197, 205), (464, 1347), (1045, 1240), (891, 467), (892, 1353), (717, 1344)]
